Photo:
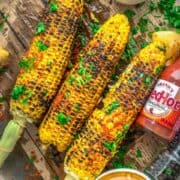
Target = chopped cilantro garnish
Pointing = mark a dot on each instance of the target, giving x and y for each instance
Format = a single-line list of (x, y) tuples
[(80, 81), (88, 78), (3, 19), (114, 77), (92, 66), (159, 69), (81, 59), (76, 136), (82, 70), (86, 152), (130, 50), (113, 106), (144, 44), (148, 80), (18, 91), (2, 99), (126, 127), (94, 28), (157, 29), (70, 65), (168, 171), (141, 75), (120, 136), (82, 40), (63, 119), (163, 49), (110, 146), (152, 5), (129, 13), (49, 63), (25, 101), (90, 53), (41, 46), (56, 178), (135, 30), (138, 154), (71, 79), (88, 1), (96, 20), (171, 12), (77, 107), (40, 28), (53, 7), (2, 70), (31, 160), (67, 95), (119, 163), (26, 63), (143, 24)]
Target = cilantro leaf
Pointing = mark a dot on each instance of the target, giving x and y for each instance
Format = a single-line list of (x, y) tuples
[(129, 13), (143, 24)]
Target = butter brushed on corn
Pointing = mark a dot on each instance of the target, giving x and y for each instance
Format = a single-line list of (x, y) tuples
[(82, 89), (107, 126)]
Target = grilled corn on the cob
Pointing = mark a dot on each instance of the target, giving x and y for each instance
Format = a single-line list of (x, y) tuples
[(44, 64), (85, 83), (42, 68), (107, 126)]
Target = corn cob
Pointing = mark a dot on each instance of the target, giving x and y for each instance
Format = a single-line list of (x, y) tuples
[(82, 88), (106, 127), (42, 68)]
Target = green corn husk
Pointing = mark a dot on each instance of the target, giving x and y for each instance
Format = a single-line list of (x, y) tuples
[(10, 136)]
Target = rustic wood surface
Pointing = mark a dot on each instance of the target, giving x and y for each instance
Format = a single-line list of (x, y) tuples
[(23, 16)]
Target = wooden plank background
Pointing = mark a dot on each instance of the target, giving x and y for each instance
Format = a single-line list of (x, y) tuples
[(23, 16)]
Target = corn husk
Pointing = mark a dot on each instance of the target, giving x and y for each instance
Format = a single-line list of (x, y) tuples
[(11, 135)]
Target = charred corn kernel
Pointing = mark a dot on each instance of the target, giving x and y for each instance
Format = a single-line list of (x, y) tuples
[(98, 141), (46, 60), (85, 83)]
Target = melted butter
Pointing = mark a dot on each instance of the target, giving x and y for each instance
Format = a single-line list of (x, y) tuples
[(122, 176)]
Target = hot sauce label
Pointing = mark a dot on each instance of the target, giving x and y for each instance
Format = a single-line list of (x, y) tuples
[(163, 104)]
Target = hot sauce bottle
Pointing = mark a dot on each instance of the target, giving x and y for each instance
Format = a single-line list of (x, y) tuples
[(161, 113)]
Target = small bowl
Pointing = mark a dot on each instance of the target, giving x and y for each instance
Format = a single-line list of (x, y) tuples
[(123, 170), (130, 2)]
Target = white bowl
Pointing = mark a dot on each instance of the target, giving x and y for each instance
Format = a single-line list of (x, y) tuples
[(133, 171), (130, 2)]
